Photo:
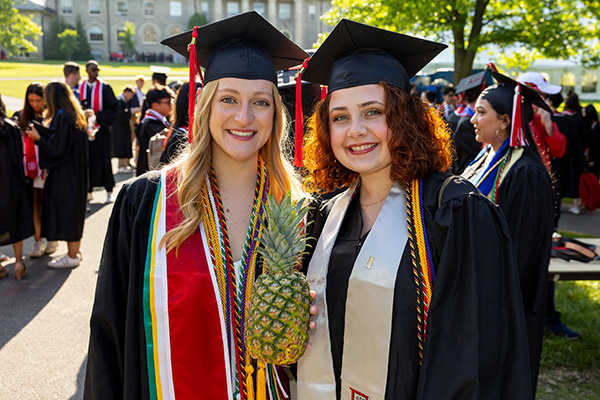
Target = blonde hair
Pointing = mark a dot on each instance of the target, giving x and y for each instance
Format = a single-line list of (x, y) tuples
[(193, 167)]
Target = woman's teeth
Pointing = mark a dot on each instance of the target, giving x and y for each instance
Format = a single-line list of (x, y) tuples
[(362, 147), (242, 133)]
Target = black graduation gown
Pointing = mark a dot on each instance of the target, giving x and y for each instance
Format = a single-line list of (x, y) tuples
[(100, 168), (63, 151), (572, 164), (116, 363), (594, 154), (526, 199), (121, 132), (16, 221), (175, 145), (149, 128), (476, 345), (465, 144)]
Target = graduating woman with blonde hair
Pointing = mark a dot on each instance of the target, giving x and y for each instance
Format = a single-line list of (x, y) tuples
[(180, 254)]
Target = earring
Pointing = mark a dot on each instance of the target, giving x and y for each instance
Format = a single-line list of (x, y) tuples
[(497, 130)]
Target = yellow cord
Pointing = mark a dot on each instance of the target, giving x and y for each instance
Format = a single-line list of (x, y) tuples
[(260, 382), (249, 381)]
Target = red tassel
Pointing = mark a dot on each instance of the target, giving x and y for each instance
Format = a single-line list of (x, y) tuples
[(323, 92), (491, 66), (517, 132), (299, 125), (192, 83)]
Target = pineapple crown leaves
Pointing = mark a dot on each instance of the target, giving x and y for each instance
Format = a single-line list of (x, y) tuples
[(284, 240)]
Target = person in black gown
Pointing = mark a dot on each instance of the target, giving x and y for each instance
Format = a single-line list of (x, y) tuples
[(511, 173), (121, 129), (63, 151), (415, 274), (97, 96), (177, 137), (162, 323), (16, 221), (160, 103)]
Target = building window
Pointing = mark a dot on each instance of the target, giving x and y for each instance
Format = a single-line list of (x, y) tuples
[(233, 8), (285, 11), (260, 8), (67, 6), (568, 81), (148, 8), (175, 8), (94, 6), (96, 34), (122, 7), (589, 83), (150, 35), (204, 8), (312, 12)]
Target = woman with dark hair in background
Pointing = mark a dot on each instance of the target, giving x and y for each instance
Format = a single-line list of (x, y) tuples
[(510, 171), (16, 222), (178, 134), (32, 110), (62, 141), (591, 118)]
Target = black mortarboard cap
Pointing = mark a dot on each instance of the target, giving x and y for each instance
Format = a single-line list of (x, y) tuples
[(356, 54), (477, 80), (528, 94), (244, 46)]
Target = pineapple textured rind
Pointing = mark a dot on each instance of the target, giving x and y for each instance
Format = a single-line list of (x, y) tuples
[(278, 314)]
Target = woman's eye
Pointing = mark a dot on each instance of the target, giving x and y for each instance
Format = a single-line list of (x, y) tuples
[(373, 113), (262, 103), (228, 100), (338, 118)]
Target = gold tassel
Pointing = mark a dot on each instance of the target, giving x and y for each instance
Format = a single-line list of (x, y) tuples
[(260, 382), (250, 381)]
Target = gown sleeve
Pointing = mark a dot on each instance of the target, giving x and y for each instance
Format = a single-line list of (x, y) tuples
[(55, 141), (475, 347), (109, 107), (116, 365)]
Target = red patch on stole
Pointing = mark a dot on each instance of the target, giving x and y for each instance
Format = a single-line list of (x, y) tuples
[(356, 395)]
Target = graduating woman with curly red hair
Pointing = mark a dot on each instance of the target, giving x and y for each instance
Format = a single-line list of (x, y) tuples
[(414, 270)]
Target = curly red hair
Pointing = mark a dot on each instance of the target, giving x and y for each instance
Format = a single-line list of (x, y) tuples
[(419, 144)]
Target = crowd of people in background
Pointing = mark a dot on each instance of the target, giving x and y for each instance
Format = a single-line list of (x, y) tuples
[(51, 192)]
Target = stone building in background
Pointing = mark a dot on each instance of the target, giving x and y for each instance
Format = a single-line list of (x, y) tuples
[(155, 20)]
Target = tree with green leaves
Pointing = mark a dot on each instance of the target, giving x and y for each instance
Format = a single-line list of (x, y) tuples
[(554, 28), (126, 37), (197, 20), (69, 42), (84, 51), (18, 30)]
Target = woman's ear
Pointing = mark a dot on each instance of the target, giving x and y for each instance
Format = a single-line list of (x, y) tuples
[(505, 122)]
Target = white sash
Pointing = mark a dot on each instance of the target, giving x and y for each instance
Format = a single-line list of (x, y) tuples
[(368, 307)]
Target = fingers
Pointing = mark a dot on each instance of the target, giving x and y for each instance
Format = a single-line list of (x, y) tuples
[(313, 295)]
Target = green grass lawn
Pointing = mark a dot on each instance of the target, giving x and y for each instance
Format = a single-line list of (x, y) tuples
[(46, 71), (571, 368)]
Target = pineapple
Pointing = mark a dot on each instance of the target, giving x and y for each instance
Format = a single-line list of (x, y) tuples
[(278, 314)]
